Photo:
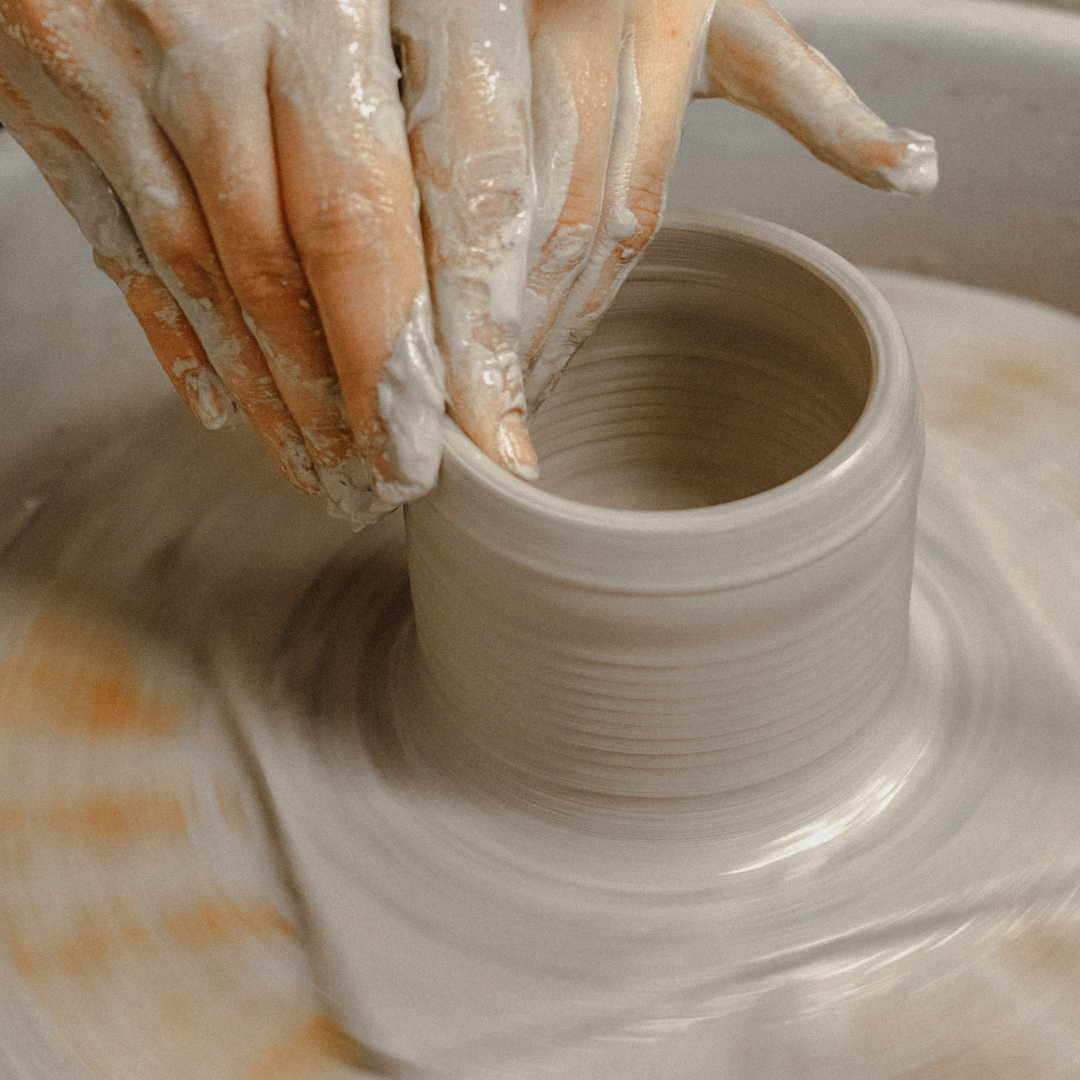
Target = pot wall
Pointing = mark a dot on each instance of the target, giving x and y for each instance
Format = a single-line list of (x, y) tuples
[(579, 658)]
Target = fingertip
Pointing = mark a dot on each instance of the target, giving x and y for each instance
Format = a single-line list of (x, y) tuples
[(206, 396), (514, 449), (916, 171), (354, 493), (503, 439), (899, 161)]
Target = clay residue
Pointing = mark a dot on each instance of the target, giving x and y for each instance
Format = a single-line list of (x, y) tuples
[(998, 391)]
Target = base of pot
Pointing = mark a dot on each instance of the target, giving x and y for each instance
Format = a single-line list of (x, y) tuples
[(931, 915)]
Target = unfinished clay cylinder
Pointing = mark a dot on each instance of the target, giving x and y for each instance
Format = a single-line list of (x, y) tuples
[(705, 600)]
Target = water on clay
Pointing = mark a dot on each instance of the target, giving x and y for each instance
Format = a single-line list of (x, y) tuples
[(219, 858)]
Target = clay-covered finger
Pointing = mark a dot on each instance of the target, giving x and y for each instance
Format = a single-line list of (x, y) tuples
[(165, 212), (466, 77), (82, 188), (351, 208), (755, 59), (220, 125), (575, 61), (154, 190), (655, 76), (174, 341)]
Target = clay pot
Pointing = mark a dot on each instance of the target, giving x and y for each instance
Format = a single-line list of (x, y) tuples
[(705, 602)]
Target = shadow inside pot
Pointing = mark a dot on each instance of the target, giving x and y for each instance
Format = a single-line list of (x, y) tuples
[(720, 371)]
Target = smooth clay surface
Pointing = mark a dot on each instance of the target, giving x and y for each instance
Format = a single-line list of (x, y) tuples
[(230, 848), (722, 370)]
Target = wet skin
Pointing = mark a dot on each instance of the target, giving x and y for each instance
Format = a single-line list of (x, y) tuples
[(339, 257)]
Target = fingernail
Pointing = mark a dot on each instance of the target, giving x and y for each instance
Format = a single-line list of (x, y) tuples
[(299, 469), (916, 171), (209, 398), (515, 448)]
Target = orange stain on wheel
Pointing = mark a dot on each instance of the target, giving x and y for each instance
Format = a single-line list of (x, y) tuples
[(96, 827), (1001, 389), (1032, 372), (1007, 1057), (316, 1045), (97, 942), (224, 921), (78, 680), (965, 408), (1050, 957)]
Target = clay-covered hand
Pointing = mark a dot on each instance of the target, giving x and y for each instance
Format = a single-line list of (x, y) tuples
[(611, 81), (242, 171), (466, 86)]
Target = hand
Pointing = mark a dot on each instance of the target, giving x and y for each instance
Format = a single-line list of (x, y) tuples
[(243, 174), (611, 80)]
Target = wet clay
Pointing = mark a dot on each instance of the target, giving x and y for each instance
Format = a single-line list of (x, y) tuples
[(709, 390), (225, 813)]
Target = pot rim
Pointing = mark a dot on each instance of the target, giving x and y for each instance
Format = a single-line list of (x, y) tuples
[(890, 391)]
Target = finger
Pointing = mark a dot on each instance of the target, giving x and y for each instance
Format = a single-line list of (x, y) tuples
[(351, 208), (575, 58), (84, 191), (154, 186), (174, 341), (656, 64), (755, 59), (467, 95), (230, 158), (97, 94)]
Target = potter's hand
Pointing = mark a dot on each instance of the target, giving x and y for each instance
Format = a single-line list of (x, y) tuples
[(243, 173), (611, 81), (466, 91)]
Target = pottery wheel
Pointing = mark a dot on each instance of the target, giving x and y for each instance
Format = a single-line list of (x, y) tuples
[(212, 869)]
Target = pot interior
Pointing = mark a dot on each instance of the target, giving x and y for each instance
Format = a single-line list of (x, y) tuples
[(723, 369)]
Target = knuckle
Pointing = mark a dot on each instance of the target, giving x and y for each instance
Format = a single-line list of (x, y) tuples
[(338, 231), (491, 190), (161, 23), (270, 287), (568, 246), (198, 277)]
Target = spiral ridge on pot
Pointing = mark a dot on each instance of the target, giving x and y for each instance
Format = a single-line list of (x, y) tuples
[(733, 406)]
